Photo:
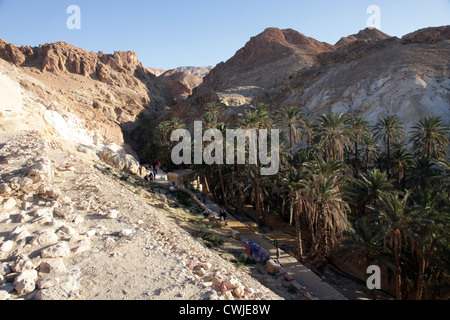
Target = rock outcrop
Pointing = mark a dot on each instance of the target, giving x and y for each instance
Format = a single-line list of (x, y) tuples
[(368, 34), (181, 83), (110, 88), (368, 73)]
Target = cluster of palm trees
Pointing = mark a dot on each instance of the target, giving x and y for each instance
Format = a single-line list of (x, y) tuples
[(375, 193)]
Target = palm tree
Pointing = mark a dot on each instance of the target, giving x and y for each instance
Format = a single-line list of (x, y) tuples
[(325, 209), (307, 131), (429, 233), (389, 129), (401, 160), (370, 150), (395, 219), (369, 188), (290, 119), (214, 110), (210, 122), (430, 137), (334, 135), (364, 242), (264, 115), (358, 130)]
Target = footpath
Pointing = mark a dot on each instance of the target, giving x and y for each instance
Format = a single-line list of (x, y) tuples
[(305, 280)]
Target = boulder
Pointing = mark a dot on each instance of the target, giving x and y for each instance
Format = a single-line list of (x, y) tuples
[(124, 162), (44, 237), (53, 266), (4, 295), (6, 246), (21, 263), (60, 287), (113, 214), (60, 250), (9, 205), (26, 281)]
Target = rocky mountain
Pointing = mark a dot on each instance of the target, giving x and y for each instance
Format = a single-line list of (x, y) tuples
[(105, 92), (366, 34), (368, 73), (199, 72), (181, 83), (157, 72), (408, 77), (262, 64)]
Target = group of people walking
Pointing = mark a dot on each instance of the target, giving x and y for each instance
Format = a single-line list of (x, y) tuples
[(152, 171)]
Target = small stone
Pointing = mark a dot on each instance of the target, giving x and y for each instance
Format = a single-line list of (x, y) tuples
[(78, 220), (113, 214), (44, 237), (28, 198), (43, 212), (21, 263), (4, 215), (127, 233), (91, 233), (5, 269), (26, 281), (231, 283), (4, 295), (66, 232), (54, 266), (9, 204), (25, 183), (83, 246), (5, 189), (6, 246), (22, 217), (200, 271), (60, 250), (239, 292), (207, 266), (228, 295)]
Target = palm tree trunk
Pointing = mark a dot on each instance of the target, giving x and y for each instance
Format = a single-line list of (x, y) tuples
[(291, 138), (291, 211), (420, 279), (388, 160), (222, 186), (299, 233), (398, 270)]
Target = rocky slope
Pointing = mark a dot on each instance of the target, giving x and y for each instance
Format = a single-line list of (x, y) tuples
[(366, 34), (408, 77), (181, 83), (109, 89), (199, 72), (69, 230), (368, 73)]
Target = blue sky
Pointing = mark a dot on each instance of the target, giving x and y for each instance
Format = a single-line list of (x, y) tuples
[(166, 34)]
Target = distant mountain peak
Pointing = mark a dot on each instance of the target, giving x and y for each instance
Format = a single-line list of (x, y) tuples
[(371, 34)]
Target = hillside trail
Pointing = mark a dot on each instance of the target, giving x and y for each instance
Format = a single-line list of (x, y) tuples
[(326, 285), (123, 248)]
